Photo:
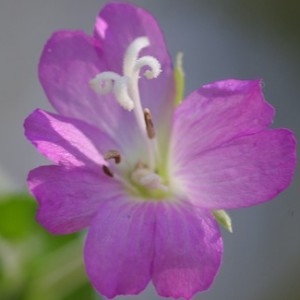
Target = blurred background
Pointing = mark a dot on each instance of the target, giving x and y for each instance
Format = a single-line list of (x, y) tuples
[(220, 39)]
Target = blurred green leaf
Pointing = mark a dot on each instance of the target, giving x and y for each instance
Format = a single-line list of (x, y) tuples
[(17, 216), (34, 264)]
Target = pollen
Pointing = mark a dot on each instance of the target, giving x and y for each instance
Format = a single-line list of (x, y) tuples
[(149, 123), (107, 171), (113, 154)]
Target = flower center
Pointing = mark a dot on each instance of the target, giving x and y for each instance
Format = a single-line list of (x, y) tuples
[(142, 178)]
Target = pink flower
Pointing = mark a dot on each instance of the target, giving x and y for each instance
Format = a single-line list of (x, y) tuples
[(143, 175)]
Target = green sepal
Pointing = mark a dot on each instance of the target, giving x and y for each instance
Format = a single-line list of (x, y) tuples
[(223, 219), (179, 79)]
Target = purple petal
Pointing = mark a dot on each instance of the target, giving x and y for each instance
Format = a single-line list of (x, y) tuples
[(117, 25), (119, 247), (217, 113), (67, 141), (68, 63), (245, 171), (69, 198), (188, 250)]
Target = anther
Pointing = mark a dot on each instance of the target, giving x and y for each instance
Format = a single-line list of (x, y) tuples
[(149, 124), (113, 154), (107, 171)]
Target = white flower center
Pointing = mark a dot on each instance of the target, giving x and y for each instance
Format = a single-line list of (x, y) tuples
[(145, 177), (126, 91)]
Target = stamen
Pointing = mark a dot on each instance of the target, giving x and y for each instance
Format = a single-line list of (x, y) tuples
[(149, 124), (113, 154), (107, 171)]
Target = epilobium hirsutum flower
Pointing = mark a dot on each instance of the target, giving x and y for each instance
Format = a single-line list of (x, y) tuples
[(147, 177)]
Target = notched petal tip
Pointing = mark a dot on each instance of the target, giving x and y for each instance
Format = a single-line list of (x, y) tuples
[(188, 252), (59, 42), (120, 263)]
